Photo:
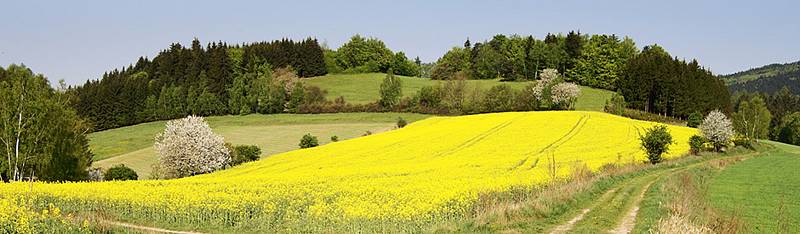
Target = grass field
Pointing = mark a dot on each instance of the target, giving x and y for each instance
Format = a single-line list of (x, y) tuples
[(764, 191), (363, 88), (133, 145), (384, 181)]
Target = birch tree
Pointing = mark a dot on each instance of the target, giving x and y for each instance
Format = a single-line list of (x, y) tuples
[(37, 129)]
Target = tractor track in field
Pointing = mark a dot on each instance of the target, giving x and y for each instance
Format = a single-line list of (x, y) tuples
[(558, 142), (479, 137)]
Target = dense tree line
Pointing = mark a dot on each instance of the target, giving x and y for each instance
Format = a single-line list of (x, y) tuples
[(196, 80), (40, 135), (771, 84), (784, 108), (655, 82), (595, 60)]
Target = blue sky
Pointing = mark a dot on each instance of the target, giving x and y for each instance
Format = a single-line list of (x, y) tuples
[(79, 40)]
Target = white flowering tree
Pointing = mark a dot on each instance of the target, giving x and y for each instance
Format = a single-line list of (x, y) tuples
[(717, 128), (564, 95), (552, 91), (189, 147), (548, 76)]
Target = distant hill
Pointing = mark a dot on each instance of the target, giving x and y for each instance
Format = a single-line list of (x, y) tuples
[(767, 79)]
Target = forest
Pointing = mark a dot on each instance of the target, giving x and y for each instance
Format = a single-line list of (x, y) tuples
[(221, 79)]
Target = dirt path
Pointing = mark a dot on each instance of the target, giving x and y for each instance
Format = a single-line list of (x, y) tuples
[(566, 227), (145, 228), (616, 210), (627, 223)]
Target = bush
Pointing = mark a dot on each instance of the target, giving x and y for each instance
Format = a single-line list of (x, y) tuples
[(189, 147), (120, 172), (244, 153), (655, 142), (428, 96), (334, 138), (391, 91), (499, 98), (717, 128), (694, 120), (615, 105), (696, 144), (401, 122), (789, 129), (308, 141), (367, 133)]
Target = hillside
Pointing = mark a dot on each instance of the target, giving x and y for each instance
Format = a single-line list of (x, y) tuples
[(133, 145), (767, 79), (377, 181), (363, 88)]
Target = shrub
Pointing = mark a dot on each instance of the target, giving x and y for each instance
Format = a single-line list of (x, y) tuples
[(367, 133), (120, 172), (308, 141), (717, 128), (499, 98), (244, 153), (401, 122), (694, 120), (696, 144), (789, 129), (189, 147), (655, 142), (334, 138), (428, 96), (391, 91), (615, 105)]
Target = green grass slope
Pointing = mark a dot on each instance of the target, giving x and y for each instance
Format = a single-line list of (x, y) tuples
[(133, 145), (363, 88), (764, 191)]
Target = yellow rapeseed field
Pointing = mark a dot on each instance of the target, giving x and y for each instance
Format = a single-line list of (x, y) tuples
[(433, 169)]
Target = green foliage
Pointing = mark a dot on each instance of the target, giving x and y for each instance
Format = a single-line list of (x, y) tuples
[(655, 142), (401, 122), (616, 105), (120, 172), (655, 82), (216, 80), (789, 130), (43, 136), (429, 96), (334, 138), (308, 141), (244, 153), (297, 97), (391, 91), (694, 120), (602, 61), (696, 144), (454, 61), (499, 98), (768, 79), (752, 118), (364, 55)]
